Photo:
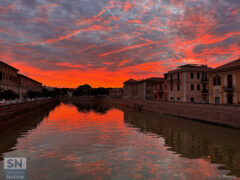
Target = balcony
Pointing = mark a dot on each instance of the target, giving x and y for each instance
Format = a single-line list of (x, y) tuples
[(205, 91), (229, 88)]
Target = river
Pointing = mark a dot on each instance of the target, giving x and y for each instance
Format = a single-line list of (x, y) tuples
[(85, 141)]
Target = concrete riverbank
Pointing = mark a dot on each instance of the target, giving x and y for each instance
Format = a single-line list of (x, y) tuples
[(227, 115), (11, 113)]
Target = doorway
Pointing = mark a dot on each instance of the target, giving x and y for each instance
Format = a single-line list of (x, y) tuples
[(230, 99)]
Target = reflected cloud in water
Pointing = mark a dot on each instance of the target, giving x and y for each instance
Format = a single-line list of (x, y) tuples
[(85, 140)]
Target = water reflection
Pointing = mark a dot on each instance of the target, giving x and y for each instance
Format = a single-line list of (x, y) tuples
[(93, 141), (87, 106), (192, 139), (10, 133)]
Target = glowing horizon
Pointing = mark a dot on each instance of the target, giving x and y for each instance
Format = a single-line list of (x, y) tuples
[(102, 43)]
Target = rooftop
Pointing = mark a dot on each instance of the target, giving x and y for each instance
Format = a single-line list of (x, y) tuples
[(130, 81), (231, 65), (190, 67), (29, 78), (155, 79), (8, 65)]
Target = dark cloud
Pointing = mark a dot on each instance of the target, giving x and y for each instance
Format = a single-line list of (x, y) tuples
[(104, 33)]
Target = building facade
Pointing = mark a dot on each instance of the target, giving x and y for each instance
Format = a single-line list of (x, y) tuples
[(128, 88), (8, 77), (188, 83), (20, 84), (142, 89), (116, 92), (160, 91), (224, 84), (27, 84)]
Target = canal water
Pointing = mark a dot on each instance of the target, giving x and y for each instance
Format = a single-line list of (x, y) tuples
[(85, 141)]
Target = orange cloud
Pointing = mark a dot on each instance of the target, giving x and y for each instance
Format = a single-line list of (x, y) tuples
[(127, 48)]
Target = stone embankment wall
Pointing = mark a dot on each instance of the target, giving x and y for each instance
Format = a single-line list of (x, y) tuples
[(11, 112), (228, 115)]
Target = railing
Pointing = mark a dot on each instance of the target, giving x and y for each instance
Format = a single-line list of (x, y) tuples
[(228, 88), (205, 91)]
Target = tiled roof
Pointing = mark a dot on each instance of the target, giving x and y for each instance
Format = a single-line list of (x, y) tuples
[(29, 78), (190, 68), (155, 79), (230, 65)]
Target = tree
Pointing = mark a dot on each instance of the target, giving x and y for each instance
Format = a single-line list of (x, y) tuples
[(33, 94), (8, 94), (83, 90)]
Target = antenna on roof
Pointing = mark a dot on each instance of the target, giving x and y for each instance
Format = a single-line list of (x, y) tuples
[(205, 60)]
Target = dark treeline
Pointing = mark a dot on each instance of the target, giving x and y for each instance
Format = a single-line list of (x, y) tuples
[(10, 95), (87, 90), (83, 90), (47, 93)]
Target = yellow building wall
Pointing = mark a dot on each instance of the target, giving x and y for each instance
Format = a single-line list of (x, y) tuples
[(222, 93)]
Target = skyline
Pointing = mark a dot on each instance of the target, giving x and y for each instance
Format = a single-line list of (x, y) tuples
[(103, 43)]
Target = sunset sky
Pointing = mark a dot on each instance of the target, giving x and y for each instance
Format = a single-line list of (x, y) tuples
[(65, 43)]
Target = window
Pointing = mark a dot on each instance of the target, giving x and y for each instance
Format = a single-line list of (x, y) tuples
[(192, 76), (166, 98), (160, 96), (229, 81), (165, 76), (198, 87), (178, 87), (1, 76), (192, 87), (217, 100), (198, 75), (204, 76), (204, 100), (204, 87), (160, 86), (155, 96), (214, 81), (171, 98), (192, 99), (217, 81), (178, 98), (178, 78)]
